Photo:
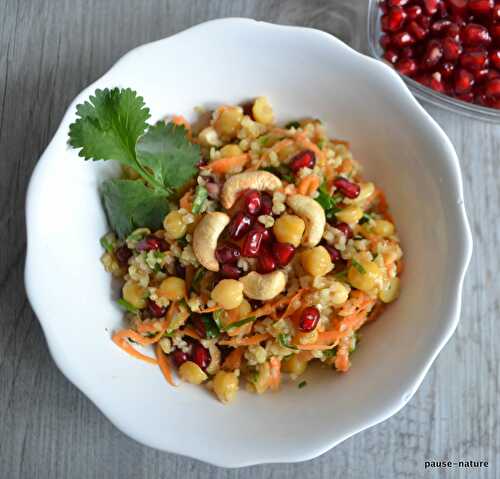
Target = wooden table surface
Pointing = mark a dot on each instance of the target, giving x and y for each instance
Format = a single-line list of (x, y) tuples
[(52, 49)]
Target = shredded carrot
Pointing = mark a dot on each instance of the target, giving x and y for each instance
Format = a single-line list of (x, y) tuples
[(275, 375), (305, 142), (290, 309), (186, 201), (346, 166), (342, 356), (224, 165), (180, 120), (209, 310), (163, 363), (308, 185), (319, 347), (278, 146), (400, 266), (120, 339), (233, 360), (256, 339), (326, 337), (190, 332), (341, 142), (376, 311)]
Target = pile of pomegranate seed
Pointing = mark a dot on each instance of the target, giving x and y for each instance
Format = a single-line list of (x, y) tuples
[(451, 46)]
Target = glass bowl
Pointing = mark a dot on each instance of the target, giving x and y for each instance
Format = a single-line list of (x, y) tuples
[(420, 91)]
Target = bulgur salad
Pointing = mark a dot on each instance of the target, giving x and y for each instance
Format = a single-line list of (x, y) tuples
[(246, 250)]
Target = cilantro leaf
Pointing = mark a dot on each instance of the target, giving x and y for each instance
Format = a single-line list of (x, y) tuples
[(200, 196), (238, 324), (212, 329), (167, 152), (329, 203), (109, 124), (130, 204), (284, 341), (127, 306), (302, 384), (358, 266)]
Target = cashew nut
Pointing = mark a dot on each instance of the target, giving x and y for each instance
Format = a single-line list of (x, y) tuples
[(313, 215), (205, 238), (263, 286), (256, 180)]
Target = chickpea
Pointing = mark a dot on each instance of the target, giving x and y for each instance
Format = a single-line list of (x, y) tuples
[(228, 293), (383, 228), (339, 293), (174, 225), (364, 276), (230, 150), (228, 121), (316, 261), (245, 308), (192, 373), (307, 338), (172, 288), (134, 294), (209, 137), (391, 292), (350, 214), (262, 111), (225, 386), (289, 229), (294, 365)]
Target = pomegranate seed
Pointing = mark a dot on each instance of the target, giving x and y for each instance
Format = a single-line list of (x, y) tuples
[(395, 19), (495, 14), (492, 88), (406, 67), (453, 32), (180, 270), (413, 12), (402, 39), (442, 10), (150, 243), (334, 252), (252, 201), (123, 254), (474, 61), (433, 54), (230, 271), (495, 58), (468, 97), (481, 75), (446, 70), (458, 7), (383, 7), (304, 159), (266, 263), (252, 243), (417, 30), (436, 83), (179, 357), (397, 3), (155, 310), (451, 49), (476, 35), (492, 74), (198, 325), (309, 319), (240, 225), (385, 41), (440, 26), (228, 253), (201, 355), (266, 207), (346, 229), (267, 235), (283, 252), (424, 21), (347, 188), (407, 52), (391, 56), (431, 6), (480, 7), (464, 81), (495, 33)]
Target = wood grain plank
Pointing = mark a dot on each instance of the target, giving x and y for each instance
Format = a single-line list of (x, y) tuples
[(49, 51)]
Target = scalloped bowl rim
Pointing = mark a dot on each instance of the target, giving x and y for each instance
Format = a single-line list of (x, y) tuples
[(465, 248)]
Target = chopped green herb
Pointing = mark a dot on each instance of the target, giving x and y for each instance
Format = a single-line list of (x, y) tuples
[(198, 276), (330, 353), (329, 203), (321, 144), (200, 196), (354, 342), (107, 244), (127, 306), (302, 384), (366, 218), (357, 237), (254, 376), (341, 276), (284, 340), (217, 316), (292, 124), (238, 324), (111, 125), (263, 140), (182, 242), (211, 327), (358, 266)]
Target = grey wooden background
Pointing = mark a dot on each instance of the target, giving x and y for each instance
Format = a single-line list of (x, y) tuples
[(49, 51)]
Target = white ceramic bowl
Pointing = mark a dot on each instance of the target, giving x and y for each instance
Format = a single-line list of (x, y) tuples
[(304, 72)]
